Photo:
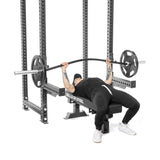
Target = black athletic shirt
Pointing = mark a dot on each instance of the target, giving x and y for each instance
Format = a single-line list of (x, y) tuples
[(86, 87)]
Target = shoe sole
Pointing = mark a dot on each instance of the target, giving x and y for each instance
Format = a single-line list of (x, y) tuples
[(126, 133), (97, 142)]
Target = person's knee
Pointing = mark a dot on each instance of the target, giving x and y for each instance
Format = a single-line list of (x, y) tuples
[(101, 112), (136, 106)]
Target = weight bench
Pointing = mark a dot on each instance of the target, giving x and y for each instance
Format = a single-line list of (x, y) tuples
[(77, 101)]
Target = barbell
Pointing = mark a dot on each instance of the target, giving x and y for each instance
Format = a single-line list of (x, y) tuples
[(128, 63)]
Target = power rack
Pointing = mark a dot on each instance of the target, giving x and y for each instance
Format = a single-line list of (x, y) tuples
[(52, 89)]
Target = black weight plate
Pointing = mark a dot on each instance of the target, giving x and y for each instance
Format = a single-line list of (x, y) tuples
[(131, 59), (38, 64)]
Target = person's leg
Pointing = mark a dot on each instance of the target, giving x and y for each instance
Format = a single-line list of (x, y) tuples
[(99, 119), (129, 102), (101, 100)]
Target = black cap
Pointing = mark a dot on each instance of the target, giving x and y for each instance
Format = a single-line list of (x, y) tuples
[(76, 76)]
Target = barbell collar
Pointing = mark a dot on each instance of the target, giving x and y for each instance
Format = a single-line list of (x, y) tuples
[(27, 72)]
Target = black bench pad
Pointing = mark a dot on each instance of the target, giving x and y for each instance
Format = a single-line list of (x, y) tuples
[(113, 107)]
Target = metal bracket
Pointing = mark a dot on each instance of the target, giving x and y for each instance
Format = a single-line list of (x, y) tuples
[(54, 90), (122, 83)]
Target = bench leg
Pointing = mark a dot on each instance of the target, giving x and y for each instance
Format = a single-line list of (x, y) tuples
[(76, 112)]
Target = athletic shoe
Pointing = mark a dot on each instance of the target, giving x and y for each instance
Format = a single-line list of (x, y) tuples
[(124, 128), (97, 137)]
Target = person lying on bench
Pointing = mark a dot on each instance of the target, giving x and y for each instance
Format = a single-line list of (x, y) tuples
[(101, 94)]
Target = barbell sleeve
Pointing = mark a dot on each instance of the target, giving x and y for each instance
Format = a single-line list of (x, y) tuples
[(27, 72), (141, 62)]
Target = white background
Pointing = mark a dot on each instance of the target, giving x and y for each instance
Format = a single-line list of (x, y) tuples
[(136, 27)]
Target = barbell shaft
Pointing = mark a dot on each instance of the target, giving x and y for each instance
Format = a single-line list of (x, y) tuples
[(71, 62), (27, 72), (87, 59), (48, 69)]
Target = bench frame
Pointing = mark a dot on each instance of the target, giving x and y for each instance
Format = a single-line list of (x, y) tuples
[(77, 101)]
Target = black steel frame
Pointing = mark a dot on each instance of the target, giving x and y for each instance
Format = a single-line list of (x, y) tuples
[(24, 52), (85, 38), (110, 18), (42, 29), (51, 89)]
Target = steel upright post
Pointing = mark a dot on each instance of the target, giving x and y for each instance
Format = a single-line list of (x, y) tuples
[(24, 52), (85, 38), (42, 28), (110, 17), (110, 29)]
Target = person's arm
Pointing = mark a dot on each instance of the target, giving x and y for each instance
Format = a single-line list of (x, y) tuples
[(109, 72), (66, 82)]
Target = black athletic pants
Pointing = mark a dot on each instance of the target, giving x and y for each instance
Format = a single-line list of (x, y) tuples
[(101, 98)]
